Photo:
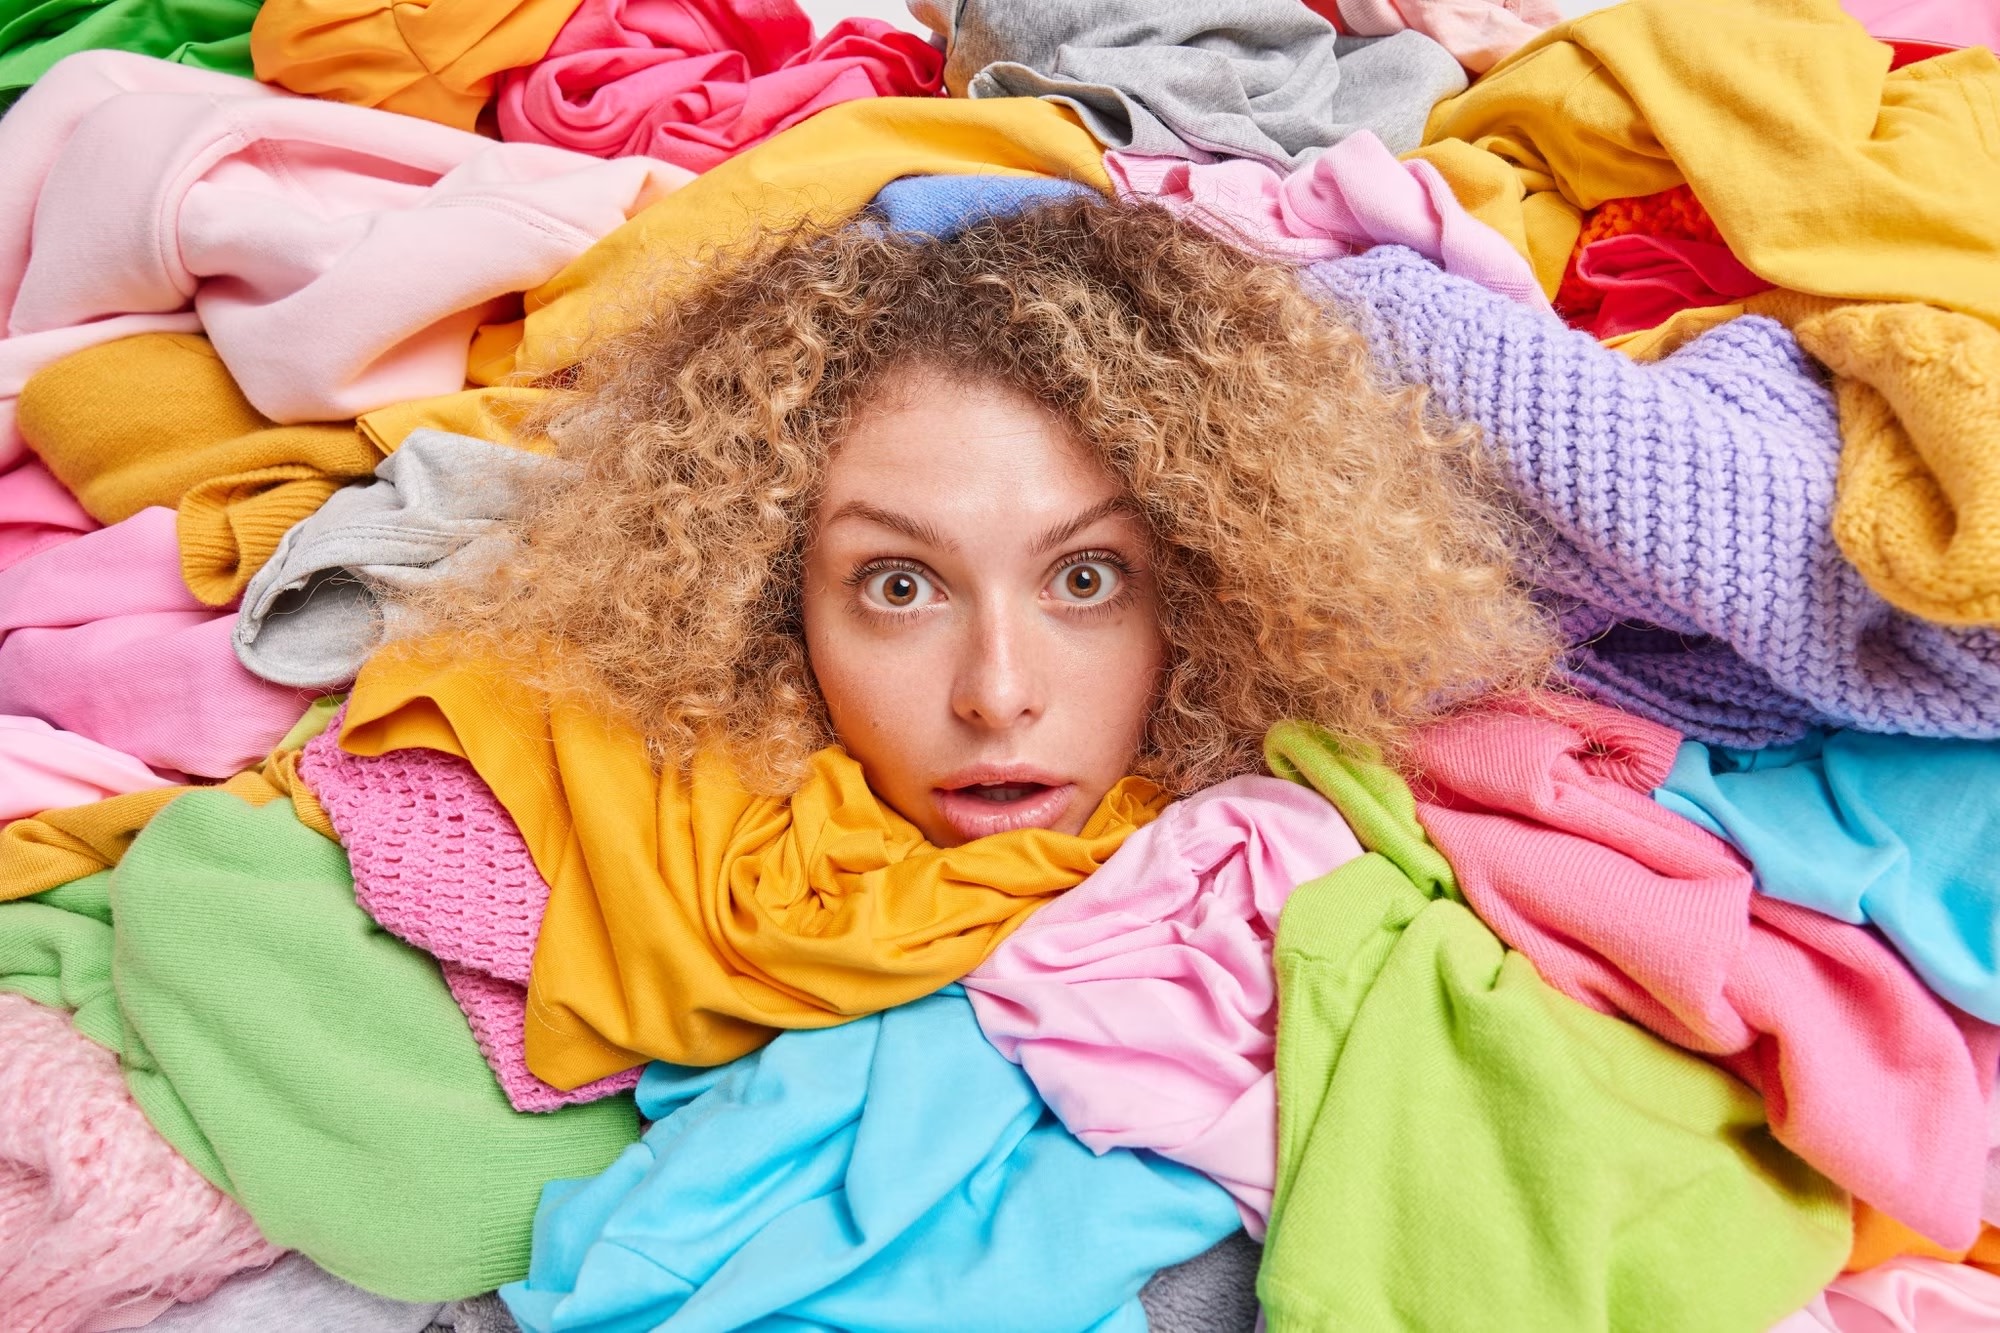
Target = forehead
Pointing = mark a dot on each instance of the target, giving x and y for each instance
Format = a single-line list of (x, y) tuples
[(964, 453)]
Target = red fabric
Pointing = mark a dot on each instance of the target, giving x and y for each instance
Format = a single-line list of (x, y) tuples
[(1675, 214), (1641, 280), (1544, 809), (694, 82)]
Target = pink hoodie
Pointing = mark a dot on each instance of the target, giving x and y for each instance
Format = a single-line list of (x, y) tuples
[(1544, 808), (338, 257)]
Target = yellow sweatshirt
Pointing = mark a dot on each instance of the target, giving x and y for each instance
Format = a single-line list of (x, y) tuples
[(157, 420), (689, 920), (1824, 172)]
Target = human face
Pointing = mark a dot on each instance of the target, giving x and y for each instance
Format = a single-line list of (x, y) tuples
[(979, 611)]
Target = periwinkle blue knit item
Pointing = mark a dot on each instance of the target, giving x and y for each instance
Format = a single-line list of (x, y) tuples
[(1688, 505), (940, 207)]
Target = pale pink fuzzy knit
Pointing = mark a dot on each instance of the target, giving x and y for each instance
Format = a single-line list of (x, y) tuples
[(438, 862), (102, 1223)]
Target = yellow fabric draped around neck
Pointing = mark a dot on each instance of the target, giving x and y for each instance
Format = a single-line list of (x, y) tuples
[(688, 919)]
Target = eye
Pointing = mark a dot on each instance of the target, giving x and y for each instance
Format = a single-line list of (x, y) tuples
[(1086, 582), (898, 589)]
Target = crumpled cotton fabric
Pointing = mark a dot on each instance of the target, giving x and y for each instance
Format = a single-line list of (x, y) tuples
[(693, 82), (339, 258), (1544, 807), (1264, 79), (1142, 1002), (1352, 197), (894, 1174), (1896, 832), (36, 512), (1481, 33), (438, 862), (1688, 505), (99, 636), (102, 1224), (326, 598), (45, 768), (434, 59), (1463, 1147), (1907, 1295)]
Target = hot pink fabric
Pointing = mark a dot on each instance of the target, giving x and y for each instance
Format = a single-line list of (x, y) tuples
[(1642, 280), (1481, 33), (338, 257), (36, 512), (42, 768), (439, 862), (1547, 818), (100, 637), (1905, 1295), (1142, 1002), (102, 1223), (1950, 22), (694, 82), (1353, 196)]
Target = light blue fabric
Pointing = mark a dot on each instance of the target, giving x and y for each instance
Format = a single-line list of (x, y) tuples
[(943, 206), (1895, 831), (894, 1173)]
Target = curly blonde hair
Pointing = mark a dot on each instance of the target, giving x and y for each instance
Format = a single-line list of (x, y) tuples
[(1323, 550)]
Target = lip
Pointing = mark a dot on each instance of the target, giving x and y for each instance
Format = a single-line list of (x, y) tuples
[(973, 817)]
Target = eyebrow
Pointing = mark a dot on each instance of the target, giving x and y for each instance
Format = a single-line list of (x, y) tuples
[(915, 529), (1062, 532)]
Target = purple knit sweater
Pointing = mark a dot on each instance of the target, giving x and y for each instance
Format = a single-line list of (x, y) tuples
[(1688, 505)]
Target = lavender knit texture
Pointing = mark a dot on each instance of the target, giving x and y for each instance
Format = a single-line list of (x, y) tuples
[(1688, 506)]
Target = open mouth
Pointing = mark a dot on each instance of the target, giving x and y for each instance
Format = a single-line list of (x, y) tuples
[(981, 809)]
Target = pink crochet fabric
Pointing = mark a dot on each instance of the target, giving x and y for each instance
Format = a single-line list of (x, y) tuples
[(102, 1224), (1546, 815), (438, 862)]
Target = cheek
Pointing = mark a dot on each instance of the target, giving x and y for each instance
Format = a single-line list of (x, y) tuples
[(872, 686), (1115, 679)]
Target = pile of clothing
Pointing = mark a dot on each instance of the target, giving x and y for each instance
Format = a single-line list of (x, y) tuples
[(337, 979)]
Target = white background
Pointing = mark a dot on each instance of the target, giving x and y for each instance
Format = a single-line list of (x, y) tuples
[(826, 13)]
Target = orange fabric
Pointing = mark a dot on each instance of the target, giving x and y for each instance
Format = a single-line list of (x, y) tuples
[(435, 59), (1878, 1238)]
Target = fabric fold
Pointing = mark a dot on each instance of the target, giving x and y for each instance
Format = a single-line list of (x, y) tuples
[(1141, 1002)]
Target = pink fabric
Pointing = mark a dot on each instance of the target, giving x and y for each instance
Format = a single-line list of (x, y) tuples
[(1481, 33), (1950, 22), (1989, 1206), (1905, 1295), (439, 862), (1142, 1002), (100, 637), (1642, 280), (42, 768), (36, 512), (694, 82), (1548, 820), (1353, 196), (338, 257), (102, 1223)]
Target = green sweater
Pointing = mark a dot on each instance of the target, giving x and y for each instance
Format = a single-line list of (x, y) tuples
[(35, 34), (308, 1063), (1460, 1146)]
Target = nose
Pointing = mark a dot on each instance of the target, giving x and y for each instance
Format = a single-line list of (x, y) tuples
[(1000, 681)]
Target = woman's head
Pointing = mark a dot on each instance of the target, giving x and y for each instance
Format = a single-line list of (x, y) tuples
[(1075, 492)]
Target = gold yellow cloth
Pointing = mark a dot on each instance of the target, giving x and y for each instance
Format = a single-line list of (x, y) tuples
[(1825, 172), (157, 420), (689, 920)]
